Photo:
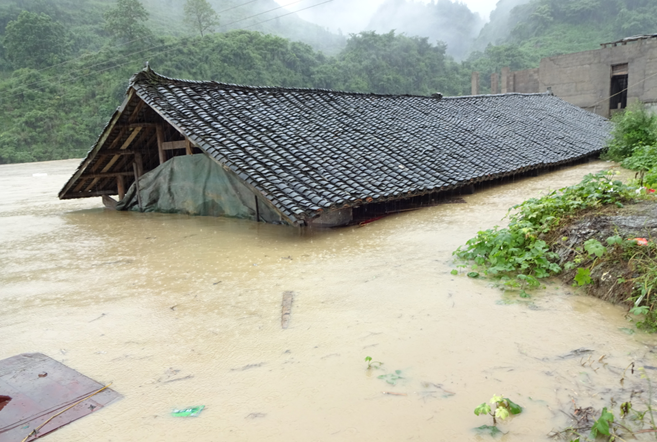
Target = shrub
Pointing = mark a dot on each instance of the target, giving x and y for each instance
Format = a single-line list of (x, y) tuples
[(633, 128)]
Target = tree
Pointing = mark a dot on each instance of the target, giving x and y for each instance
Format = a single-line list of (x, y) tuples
[(35, 41), (200, 15), (125, 20)]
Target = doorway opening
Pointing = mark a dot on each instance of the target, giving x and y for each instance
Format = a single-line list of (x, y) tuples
[(618, 92)]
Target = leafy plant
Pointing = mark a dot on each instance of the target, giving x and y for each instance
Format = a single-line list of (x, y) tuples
[(501, 408), (633, 128), (602, 425), (518, 255), (372, 364)]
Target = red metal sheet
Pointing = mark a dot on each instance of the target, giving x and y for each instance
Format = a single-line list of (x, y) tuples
[(34, 387)]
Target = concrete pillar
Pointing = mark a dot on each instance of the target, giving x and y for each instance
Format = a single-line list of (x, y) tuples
[(505, 79), (475, 84), (494, 83)]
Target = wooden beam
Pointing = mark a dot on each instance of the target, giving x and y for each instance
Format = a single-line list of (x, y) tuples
[(118, 152), (160, 143), (120, 186), (89, 194), (188, 146), (136, 110), (135, 125), (106, 175), (172, 145)]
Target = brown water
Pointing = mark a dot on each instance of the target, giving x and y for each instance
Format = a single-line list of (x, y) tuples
[(180, 311)]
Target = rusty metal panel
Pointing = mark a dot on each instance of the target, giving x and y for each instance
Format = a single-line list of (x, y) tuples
[(34, 387)]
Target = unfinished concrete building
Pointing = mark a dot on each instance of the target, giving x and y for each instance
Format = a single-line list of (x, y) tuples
[(601, 81)]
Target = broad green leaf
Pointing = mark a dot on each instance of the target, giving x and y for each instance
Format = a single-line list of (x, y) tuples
[(601, 426), (454, 272), (513, 407), (482, 409), (473, 274), (501, 413), (594, 247), (583, 276)]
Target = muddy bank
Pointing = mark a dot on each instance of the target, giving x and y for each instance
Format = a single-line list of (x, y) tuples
[(613, 276)]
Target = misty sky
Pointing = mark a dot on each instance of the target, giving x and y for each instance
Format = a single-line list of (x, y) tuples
[(354, 15)]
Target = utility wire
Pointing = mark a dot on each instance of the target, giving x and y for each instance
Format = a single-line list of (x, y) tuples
[(172, 47)]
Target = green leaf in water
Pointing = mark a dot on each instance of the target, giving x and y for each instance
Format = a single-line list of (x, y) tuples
[(513, 407), (601, 426), (454, 272), (626, 330), (488, 429), (473, 274)]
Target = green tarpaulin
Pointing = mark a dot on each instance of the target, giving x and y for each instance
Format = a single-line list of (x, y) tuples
[(197, 185)]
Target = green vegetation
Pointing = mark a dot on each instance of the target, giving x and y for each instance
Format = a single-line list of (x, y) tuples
[(200, 15), (533, 247), (372, 364), (125, 21), (519, 255), (501, 409)]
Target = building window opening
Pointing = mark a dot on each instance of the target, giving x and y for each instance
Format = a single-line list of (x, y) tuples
[(619, 82)]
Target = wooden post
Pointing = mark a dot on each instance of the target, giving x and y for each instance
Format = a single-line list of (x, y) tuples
[(120, 186), (134, 168), (257, 207), (188, 146), (140, 164), (160, 141)]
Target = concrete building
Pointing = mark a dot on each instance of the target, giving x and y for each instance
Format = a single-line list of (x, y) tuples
[(601, 81)]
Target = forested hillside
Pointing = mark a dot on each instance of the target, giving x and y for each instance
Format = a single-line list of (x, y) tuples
[(66, 69), (65, 64), (520, 33)]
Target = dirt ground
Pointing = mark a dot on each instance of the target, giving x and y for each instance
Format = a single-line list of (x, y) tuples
[(612, 277)]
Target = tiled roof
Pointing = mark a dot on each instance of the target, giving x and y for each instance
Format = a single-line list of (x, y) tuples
[(309, 151)]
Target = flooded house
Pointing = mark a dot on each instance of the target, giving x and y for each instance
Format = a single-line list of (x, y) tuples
[(312, 157)]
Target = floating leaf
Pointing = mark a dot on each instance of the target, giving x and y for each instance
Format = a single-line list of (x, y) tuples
[(626, 330), (488, 429), (513, 407), (473, 274), (454, 272)]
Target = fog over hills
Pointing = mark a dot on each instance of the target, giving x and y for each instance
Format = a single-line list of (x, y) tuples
[(449, 21)]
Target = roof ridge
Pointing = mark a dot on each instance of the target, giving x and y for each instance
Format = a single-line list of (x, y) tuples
[(150, 75)]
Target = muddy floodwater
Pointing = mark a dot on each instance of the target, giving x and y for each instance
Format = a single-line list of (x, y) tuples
[(179, 311)]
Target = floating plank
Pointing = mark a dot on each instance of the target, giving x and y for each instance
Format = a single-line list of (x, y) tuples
[(286, 309)]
